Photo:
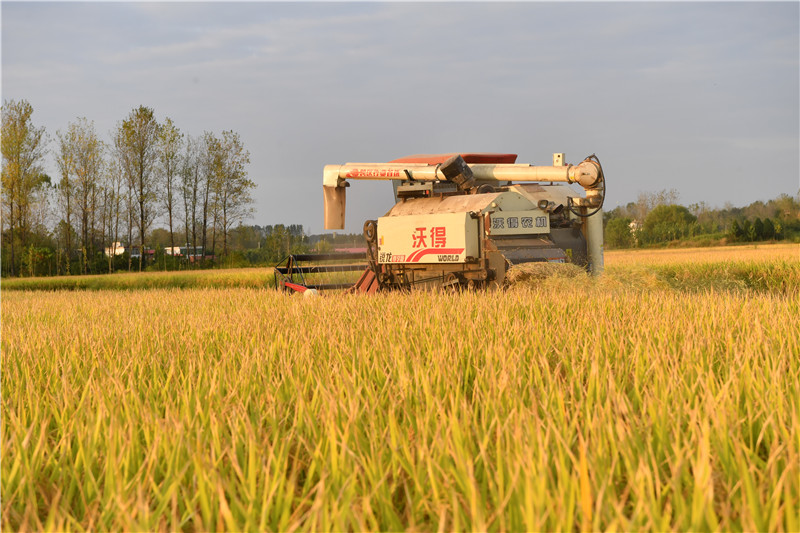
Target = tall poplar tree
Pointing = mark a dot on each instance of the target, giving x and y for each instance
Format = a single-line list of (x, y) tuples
[(65, 195), (23, 147), (169, 155), (233, 185), (136, 141), (208, 160), (191, 179), (82, 164)]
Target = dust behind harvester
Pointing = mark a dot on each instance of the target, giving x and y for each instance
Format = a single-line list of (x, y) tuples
[(461, 220)]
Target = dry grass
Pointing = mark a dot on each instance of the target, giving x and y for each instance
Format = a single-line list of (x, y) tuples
[(536, 273), (186, 279), (557, 406), (759, 253)]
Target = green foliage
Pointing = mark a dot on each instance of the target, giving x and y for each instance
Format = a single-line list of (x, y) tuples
[(228, 179), (769, 229), (618, 233), (137, 143), (666, 223), (323, 246), (23, 185), (152, 172), (735, 233), (783, 213), (35, 260), (758, 229), (282, 240), (236, 259), (749, 231)]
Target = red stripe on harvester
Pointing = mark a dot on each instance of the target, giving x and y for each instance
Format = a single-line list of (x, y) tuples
[(298, 288)]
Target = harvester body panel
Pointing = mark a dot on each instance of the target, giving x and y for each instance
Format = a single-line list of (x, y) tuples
[(426, 239)]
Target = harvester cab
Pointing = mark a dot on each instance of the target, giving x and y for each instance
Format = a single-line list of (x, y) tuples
[(461, 220)]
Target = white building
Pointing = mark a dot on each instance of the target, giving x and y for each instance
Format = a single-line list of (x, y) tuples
[(115, 249)]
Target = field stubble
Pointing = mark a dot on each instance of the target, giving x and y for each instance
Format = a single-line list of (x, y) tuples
[(559, 405)]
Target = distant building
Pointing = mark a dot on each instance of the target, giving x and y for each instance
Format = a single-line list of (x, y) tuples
[(148, 252), (115, 249), (192, 254), (636, 230)]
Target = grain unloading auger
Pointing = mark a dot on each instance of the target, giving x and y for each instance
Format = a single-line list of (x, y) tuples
[(464, 219)]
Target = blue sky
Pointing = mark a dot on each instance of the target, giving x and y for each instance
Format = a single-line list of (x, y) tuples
[(697, 97)]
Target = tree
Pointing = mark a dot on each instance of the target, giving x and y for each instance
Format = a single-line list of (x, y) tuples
[(279, 242), (769, 229), (210, 143), (667, 222), (647, 201), (323, 246), (64, 195), (246, 237), (191, 178), (115, 187), (735, 232), (82, 164), (170, 145), (136, 142), (23, 147), (36, 233), (618, 233), (750, 231), (787, 208), (747, 231), (130, 209), (159, 238), (758, 229), (63, 233), (231, 185)]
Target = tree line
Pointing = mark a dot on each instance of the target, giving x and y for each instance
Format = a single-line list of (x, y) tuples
[(113, 191), (657, 218), (254, 245)]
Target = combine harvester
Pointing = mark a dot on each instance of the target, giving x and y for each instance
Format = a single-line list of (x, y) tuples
[(461, 220)]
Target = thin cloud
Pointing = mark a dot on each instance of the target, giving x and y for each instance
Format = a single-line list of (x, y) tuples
[(651, 88)]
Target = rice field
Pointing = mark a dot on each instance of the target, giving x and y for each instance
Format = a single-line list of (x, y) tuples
[(758, 253), (134, 281), (639, 401)]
